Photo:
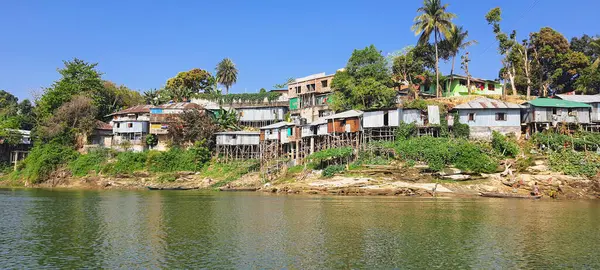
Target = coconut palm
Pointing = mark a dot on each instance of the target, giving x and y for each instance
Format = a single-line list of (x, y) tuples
[(226, 73), (433, 20), (457, 41)]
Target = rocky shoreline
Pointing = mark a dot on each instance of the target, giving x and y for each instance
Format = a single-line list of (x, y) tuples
[(368, 181)]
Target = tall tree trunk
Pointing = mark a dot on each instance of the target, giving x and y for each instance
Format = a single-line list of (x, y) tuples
[(527, 63), (512, 80), (437, 67), (226, 90), (451, 74)]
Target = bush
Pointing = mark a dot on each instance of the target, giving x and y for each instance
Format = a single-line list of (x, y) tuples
[(93, 161), (332, 170), (575, 163), (438, 153), (503, 145), (335, 155), (126, 163), (406, 131), (170, 161), (167, 177), (43, 160), (580, 141)]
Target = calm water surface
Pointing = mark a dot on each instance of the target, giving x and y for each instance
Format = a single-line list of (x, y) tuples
[(189, 229)]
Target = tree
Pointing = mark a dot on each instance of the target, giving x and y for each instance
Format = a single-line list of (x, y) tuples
[(195, 80), (78, 78), (73, 118), (227, 119), (226, 73), (117, 98), (285, 84), (433, 20), (505, 46), (555, 65), (365, 83), (262, 91), (457, 41), (193, 126), (408, 69), (151, 97)]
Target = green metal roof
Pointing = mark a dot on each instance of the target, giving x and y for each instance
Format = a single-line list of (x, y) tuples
[(559, 103)]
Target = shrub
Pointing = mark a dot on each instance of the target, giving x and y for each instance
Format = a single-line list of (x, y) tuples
[(332, 155), (580, 141), (503, 145), (440, 152), (167, 177), (127, 162), (406, 131), (575, 163), (173, 160), (43, 160), (93, 161), (332, 170)]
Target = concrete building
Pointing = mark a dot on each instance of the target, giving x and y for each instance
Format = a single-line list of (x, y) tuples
[(543, 113), (308, 97), (484, 115), (131, 125), (162, 116), (456, 85)]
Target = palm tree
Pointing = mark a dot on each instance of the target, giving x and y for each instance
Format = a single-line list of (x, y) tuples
[(456, 42), (227, 73), (433, 19)]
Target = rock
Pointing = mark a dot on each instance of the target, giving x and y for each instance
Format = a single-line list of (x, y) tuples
[(539, 162), (450, 171), (487, 188), (458, 177), (267, 185), (538, 168)]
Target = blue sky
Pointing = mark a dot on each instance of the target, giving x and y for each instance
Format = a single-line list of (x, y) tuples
[(143, 43)]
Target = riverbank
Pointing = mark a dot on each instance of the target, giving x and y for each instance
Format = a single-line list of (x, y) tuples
[(391, 180)]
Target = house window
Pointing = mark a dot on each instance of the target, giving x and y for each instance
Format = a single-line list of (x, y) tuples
[(572, 112), (386, 119), (233, 137), (298, 89), (553, 110), (500, 116), (471, 116), (463, 82), (491, 87), (324, 83), (118, 125), (129, 125)]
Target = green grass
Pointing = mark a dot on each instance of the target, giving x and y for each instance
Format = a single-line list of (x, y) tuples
[(225, 173)]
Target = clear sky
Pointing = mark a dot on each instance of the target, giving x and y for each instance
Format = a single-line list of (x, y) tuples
[(143, 43)]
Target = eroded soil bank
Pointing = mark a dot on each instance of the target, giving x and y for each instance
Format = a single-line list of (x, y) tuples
[(370, 180)]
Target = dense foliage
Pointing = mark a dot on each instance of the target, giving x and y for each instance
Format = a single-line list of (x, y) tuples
[(244, 97), (580, 141), (504, 146), (438, 153), (365, 83), (43, 160), (331, 170), (575, 163), (331, 154)]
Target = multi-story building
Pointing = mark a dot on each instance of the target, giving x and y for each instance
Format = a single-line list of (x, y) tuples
[(131, 125), (164, 115), (308, 97)]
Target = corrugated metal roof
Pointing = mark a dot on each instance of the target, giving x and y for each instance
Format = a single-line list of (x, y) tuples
[(487, 103), (346, 114), (103, 126), (320, 121), (558, 103), (581, 98), (238, 133), (134, 109), (278, 125)]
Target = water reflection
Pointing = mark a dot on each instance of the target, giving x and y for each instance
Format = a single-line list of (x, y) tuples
[(118, 229)]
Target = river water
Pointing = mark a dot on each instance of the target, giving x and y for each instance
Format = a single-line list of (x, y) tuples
[(193, 229)]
